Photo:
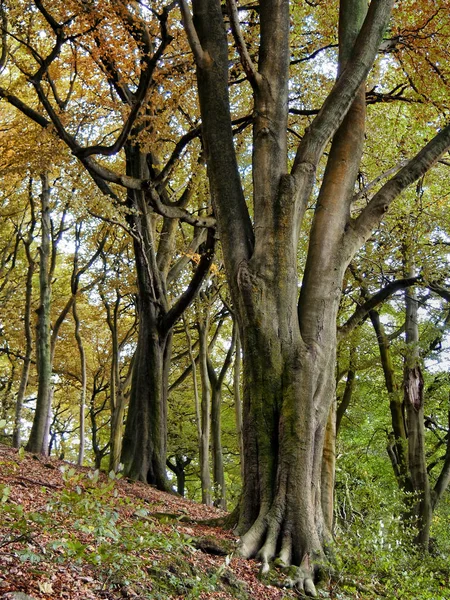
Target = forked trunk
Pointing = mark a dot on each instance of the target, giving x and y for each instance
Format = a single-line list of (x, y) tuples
[(288, 390), (144, 443), (289, 355)]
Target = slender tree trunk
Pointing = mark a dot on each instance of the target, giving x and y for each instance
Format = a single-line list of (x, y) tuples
[(98, 387), (348, 390), (216, 381), (397, 445), (17, 434), (414, 403), (116, 389), (198, 418), (82, 353), (444, 477), (39, 432), (205, 475), (237, 399), (179, 468), (216, 447)]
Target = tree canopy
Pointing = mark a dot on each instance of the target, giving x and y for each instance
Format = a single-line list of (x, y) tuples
[(187, 184)]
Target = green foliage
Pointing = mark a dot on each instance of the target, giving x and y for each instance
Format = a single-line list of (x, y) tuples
[(83, 526), (376, 554)]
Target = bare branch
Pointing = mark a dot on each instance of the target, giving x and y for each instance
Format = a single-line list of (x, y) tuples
[(360, 229), (194, 287), (201, 57), (250, 70), (345, 89), (175, 212), (372, 302), (377, 180)]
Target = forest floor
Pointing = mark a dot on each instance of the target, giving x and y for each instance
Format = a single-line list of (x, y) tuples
[(68, 532)]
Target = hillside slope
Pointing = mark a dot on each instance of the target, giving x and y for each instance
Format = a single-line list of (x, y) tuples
[(72, 533)]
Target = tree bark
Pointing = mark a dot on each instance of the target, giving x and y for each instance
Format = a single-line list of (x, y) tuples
[(205, 409), (414, 402), (17, 433), (39, 432), (82, 416)]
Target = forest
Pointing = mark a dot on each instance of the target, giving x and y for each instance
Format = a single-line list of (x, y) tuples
[(224, 269)]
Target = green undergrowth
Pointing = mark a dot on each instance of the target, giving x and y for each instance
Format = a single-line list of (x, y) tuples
[(126, 548), (377, 559), (82, 525)]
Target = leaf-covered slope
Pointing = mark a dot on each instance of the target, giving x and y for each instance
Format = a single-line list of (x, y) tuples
[(70, 533)]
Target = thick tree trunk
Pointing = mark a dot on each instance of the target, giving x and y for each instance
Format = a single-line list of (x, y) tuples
[(288, 389), (39, 431), (144, 443), (289, 355)]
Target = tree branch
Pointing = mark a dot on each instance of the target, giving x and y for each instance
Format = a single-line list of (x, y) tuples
[(175, 212), (372, 302), (201, 57), (345, 89), (249, 68), (193, 288), (361, 228), (442, 292)]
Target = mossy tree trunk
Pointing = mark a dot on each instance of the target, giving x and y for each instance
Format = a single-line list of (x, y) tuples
[(289, 347), (413, 388)]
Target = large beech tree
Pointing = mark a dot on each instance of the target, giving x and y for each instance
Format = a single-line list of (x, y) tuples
[(289, 340)]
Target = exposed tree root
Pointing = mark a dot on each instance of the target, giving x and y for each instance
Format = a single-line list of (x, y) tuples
[(303, 580), (270, 541)]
